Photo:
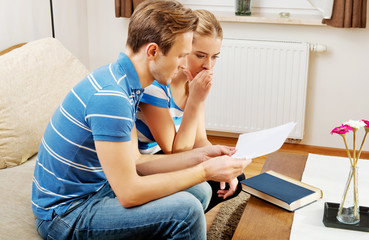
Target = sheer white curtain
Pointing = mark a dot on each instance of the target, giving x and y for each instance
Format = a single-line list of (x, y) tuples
[(324, 6)]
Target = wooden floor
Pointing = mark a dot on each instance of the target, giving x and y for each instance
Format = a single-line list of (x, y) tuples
[(257, 163)]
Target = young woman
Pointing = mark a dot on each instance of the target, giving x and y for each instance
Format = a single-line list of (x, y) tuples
[(171, 117)]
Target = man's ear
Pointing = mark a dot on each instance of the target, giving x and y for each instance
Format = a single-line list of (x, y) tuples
[(152, 49)]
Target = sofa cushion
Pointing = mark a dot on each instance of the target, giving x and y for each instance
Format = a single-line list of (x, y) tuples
[(34, 80), (17, 221)]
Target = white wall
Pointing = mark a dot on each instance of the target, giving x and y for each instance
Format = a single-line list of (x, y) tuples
[(29, 20), (338, 79), (70, 20), (106, 34), (23, 21)]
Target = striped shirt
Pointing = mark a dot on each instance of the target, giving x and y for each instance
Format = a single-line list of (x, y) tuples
[(101, 107), (160, 96)]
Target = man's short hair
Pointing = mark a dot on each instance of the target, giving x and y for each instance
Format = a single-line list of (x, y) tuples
[(159, 21)]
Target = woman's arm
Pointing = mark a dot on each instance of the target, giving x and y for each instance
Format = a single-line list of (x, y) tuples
[(198, 91), (162, 127), (201, 136)]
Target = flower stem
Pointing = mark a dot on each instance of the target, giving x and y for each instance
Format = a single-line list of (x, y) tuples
[(361, 147), (344, 196), (356, 205), (353, 174), (348, 152), (354, 145)]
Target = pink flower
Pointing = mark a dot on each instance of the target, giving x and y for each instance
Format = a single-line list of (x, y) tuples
[(366, 122), (342, 129)]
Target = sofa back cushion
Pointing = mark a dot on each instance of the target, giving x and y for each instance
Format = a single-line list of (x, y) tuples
[(34, 79)]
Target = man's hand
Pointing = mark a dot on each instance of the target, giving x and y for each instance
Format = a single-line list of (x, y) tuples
[(224, 168)]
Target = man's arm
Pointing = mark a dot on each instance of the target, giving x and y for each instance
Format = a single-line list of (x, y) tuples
[(118, 160), (152, 164), (119, 164)]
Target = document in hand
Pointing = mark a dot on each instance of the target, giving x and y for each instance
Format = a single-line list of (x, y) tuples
[(283, 191), (256, 144)]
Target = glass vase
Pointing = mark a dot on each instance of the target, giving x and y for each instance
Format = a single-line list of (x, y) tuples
[(348, 212), (243, 7)]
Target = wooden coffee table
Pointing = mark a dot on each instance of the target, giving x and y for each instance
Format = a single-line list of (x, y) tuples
[(262, 220)]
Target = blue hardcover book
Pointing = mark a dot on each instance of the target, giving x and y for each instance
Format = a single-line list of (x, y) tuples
[(281, 190)]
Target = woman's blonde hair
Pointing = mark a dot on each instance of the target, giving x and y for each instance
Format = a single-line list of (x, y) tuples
[(208, 24), (159, 21)]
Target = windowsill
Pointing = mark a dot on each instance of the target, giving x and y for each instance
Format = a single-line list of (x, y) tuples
[(270, 19)]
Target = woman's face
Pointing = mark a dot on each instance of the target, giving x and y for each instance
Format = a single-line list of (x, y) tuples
[(204, 54)]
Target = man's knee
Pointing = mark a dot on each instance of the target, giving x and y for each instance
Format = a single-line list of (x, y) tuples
[(187, 202), (202, 192), (189, 216)]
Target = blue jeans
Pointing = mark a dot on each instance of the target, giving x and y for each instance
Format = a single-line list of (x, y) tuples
[(101, 216)]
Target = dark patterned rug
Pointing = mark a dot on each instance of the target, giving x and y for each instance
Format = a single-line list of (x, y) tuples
[(226, 220)]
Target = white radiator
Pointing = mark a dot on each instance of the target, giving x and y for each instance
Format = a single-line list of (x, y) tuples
[(258, 85)]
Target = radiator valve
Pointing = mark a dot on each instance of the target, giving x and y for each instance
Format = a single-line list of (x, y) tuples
[(316, 47)]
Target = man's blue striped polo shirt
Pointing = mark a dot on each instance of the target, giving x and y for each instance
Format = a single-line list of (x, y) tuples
[(101, 107)]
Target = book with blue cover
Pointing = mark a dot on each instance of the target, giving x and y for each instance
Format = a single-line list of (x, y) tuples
[(281, 190)]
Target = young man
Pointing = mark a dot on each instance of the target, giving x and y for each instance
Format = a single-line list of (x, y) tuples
[(90, 181)]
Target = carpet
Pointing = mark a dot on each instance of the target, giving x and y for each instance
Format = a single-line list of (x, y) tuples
[(226, 220)]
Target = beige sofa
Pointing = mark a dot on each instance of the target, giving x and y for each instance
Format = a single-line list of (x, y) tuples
[(34, 79)]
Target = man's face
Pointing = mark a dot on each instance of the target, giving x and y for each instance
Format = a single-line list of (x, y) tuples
[(205, 51), (164, 68)]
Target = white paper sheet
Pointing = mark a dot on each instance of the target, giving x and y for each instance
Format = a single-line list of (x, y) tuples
[(329, 174), (256, 144)]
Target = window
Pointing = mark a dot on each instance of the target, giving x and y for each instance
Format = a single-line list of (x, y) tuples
[(300, 7)]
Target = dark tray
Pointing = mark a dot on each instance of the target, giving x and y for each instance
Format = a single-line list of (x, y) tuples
[(330, 220)]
